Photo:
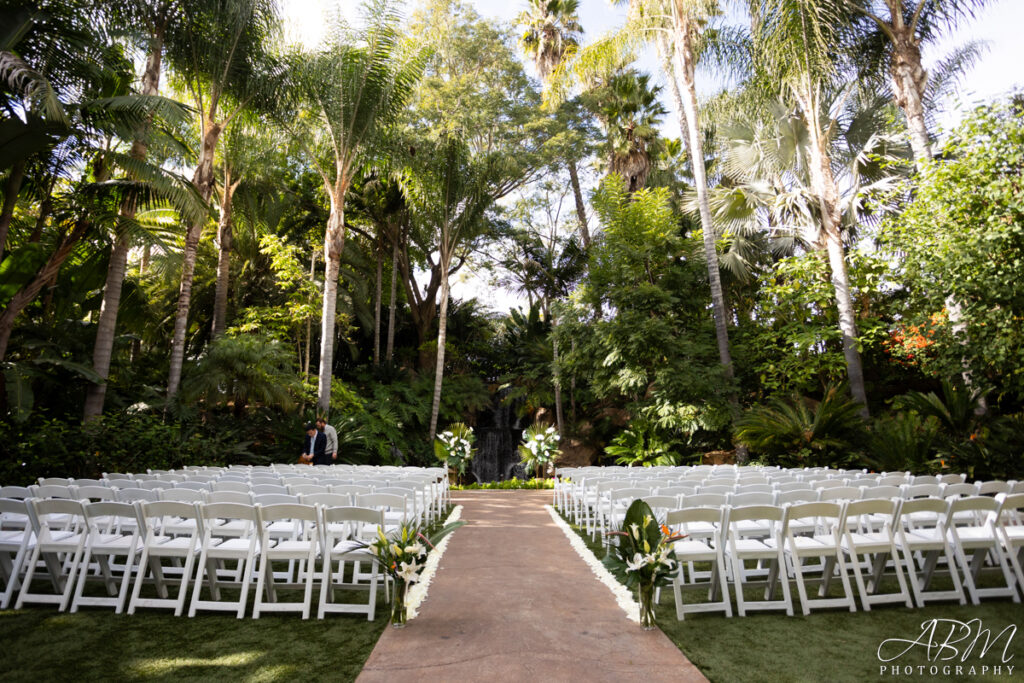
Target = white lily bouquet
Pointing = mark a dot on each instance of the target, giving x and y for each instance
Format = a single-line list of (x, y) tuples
[(539, 448), (454, 447), (402, 554)]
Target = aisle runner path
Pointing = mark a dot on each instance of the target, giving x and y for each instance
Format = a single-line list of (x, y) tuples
[(512, 601)]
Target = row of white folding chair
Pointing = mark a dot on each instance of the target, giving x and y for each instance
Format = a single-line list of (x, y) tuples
[(91, 537), (718, 528)]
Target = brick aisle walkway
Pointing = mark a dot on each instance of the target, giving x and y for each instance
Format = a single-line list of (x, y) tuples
[(512, 601)]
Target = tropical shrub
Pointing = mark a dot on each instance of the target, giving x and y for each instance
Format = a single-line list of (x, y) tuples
[(644, 445), (798, 433)]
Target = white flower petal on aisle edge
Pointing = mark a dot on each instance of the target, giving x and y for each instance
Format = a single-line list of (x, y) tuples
[(623, 595), (418, 591)]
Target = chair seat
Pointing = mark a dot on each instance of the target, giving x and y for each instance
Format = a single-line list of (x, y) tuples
[(290, 547), (350, 547), (170, 546), (237, 548), (872, 542), (976, 536), (694, 550), (924, 539), (751, 548)]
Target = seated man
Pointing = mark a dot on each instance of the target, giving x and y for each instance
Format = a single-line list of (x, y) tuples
[(316, 446)]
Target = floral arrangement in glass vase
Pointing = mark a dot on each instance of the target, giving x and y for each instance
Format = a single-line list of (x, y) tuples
[(643, 557), (454, 447), (402, 555), (539, 448)]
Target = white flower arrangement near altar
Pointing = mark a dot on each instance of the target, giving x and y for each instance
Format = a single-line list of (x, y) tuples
[(454, 447), (623, 596), (539, 447)]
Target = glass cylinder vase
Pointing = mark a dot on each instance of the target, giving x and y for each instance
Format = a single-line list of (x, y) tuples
[(646, 591), (399, 614)]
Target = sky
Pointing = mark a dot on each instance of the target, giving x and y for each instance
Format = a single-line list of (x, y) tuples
[(999, 71)]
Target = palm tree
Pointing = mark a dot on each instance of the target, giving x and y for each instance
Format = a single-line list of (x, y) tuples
[(219, 52), (349, 93), (551, 32), (898, 29), (628, 106), (795, 43), (155, 17)]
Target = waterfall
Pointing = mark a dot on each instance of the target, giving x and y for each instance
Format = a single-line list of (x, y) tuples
[(498, 435)]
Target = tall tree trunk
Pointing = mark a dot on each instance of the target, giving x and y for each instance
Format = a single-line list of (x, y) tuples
[(909, 83), (685, 66), (106, 327), (334, 244), (557, 376), (442, 324), (11, 190), (203, 181), (309, 320), (393, 304), (581, 209), (824, 187), (377, 297), (46, 274), (225, 237)]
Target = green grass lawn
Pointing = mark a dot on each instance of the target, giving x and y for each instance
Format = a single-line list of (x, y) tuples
[(836, 645), (94, 645)]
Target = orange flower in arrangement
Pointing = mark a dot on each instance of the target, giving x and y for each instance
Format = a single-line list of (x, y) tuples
[(942, 464), (665, 530)]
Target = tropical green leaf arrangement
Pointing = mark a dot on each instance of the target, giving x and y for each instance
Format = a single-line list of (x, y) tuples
[(539, 447), (643, 555)]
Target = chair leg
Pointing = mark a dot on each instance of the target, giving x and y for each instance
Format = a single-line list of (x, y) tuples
[(800, 587), (858, 577)]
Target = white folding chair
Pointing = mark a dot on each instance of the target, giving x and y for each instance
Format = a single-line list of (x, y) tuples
[(867, 528), (742, 549), (15, 546), (302, 546), (113, 532), (223, 539), (929, 542), (979, 538), (60, 530), (690, 550), (171, 529), (824, 545), (230, 485), (1010, 526), (342, 528)]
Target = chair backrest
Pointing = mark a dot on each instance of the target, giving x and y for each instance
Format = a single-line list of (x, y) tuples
[(881, 492), (132, 495), (676, 491), (260, 489), (922, 491), (304, 489), (106, 510), (840, 493), (266, 499), (240, 511), (193, 485), (755, 498), (183, 495), (794, 486), (753, 488), (349, 520), (55, 481), (1011, 509), (21, 492), (279, 511), (200, 478), (715, 489), (298, 481), (93, 492), (154, 484), (630, 494), (796, 496), (991, 488), (42, 508), (828, 484), (235, 486), (1017, 487), (350, 489), (714, 500), (146, 477), (952, 478), (892, 480), (924, 479), (819, 511), (116, 475), (973, 504), (702, 514), (326, 499), (90, 482), (229, 497), (772, 513), (381, 500), (51, 491), (871, 506), (962, 490), (938, 506), (661, 502), (123, 483), (13, 506)]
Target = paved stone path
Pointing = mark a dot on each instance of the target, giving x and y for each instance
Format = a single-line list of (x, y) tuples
[(512, 601)]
